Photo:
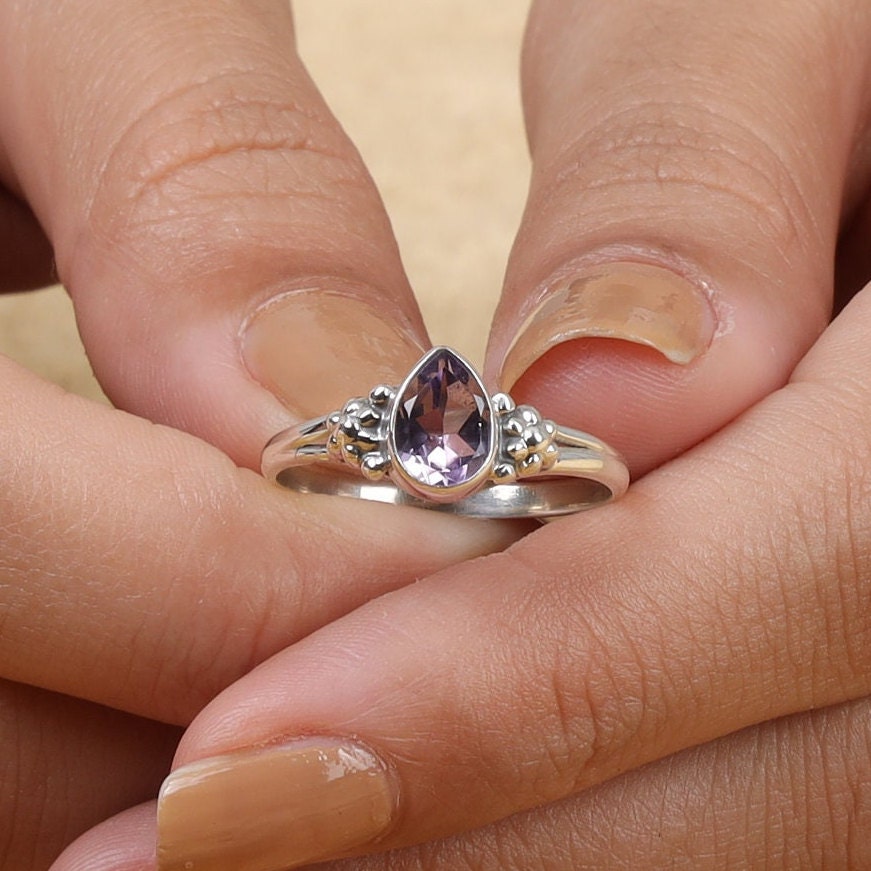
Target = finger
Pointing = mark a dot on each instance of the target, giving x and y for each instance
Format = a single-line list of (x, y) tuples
[(123, 843), (142, 570), (675, 258), (741, 595), (26, 260), (66, 765), (792, 793), (211, 220)]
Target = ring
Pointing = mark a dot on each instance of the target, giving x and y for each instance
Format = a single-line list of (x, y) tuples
[(440, 441)]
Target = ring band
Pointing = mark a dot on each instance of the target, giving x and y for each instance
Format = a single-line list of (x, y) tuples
[(440, 441)]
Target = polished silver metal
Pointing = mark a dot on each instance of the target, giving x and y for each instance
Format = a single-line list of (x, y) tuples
[(534, 467)]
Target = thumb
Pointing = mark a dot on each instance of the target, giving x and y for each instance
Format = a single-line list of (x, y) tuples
[(215, 227), (675, 259)]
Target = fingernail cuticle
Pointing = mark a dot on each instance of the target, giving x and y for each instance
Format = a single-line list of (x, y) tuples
[(274, 808), (635, 302)]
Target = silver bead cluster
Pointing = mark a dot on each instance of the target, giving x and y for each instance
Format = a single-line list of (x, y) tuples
[(526, 441), (358, 436), (358, 433)]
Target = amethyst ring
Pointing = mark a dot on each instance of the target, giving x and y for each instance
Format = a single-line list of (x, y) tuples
[(440, 441)]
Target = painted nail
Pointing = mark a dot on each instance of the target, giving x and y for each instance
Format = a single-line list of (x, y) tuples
[(636, 302), (315, 349), (272, 809)]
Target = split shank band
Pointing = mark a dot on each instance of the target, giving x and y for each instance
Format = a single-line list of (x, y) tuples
[(440, 441)]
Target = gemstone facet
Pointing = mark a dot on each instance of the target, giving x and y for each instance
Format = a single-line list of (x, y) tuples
[(442, 429)]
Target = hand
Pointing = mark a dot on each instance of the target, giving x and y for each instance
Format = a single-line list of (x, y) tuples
[(727, 590), (552, 676), (187, 175)]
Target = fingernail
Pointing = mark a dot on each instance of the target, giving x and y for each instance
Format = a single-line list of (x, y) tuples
[(272, 809), (636, 302), (315, 349)]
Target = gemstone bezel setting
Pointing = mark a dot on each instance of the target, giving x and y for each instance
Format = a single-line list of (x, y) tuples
[(444, 492)]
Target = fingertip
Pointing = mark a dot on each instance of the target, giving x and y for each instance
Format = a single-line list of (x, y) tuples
[(635, 160), (218, 186), (123, 843), (651, 357), (627, 394), (611, 346), (646, 406)]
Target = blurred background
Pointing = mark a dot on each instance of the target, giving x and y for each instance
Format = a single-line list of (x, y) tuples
[(429, 93)]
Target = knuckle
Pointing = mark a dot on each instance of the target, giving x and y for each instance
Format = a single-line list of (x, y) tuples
[(813, 566), (843, 560), (583, 685), (832, 533), (602, 706), (240, 616), (673, 160), (222, 160)]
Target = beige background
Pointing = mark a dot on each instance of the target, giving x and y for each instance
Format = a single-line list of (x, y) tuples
[(429, 92)]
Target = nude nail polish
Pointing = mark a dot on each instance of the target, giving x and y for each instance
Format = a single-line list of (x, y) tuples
[(315, 349), (635, 302), (274, 808)]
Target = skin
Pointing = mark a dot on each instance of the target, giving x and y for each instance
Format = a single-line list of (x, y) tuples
[(714, 660)]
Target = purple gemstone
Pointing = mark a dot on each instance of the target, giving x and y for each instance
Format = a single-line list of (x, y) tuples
[(442, 426)]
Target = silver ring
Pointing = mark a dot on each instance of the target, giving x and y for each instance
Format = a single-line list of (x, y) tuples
[(440, 441)]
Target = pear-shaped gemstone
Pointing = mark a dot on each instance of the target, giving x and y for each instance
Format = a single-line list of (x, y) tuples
[(442, 428)]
